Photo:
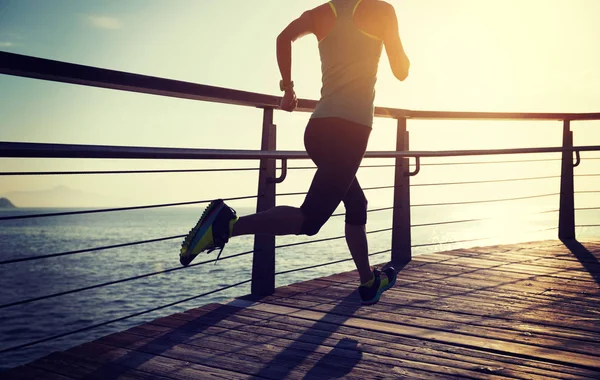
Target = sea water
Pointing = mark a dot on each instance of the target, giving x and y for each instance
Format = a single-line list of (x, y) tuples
[(41, 236)]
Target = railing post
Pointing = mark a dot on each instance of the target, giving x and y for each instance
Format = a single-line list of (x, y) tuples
[(263, 261), (566, 216), (401, 242)]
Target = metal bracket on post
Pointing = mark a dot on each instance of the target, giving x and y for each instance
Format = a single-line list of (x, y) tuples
[(577, 159), (417, 168), (281, 178)]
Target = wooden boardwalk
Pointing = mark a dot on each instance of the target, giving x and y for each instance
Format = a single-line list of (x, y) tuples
[(526, 311)]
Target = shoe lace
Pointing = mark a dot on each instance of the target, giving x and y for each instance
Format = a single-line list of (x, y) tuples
[(225, 241), (218, 255)]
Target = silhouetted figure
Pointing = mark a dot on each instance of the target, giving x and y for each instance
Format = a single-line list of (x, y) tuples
[(350, 35)]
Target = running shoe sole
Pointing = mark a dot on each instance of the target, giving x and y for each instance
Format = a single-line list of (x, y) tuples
[(190, 247)]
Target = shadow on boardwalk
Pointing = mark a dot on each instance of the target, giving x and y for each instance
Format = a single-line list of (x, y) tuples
[(161, 344), (329, 366), (585, 257), (338, 362)]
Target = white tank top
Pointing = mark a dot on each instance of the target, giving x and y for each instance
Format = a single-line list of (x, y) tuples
[(349, 63)]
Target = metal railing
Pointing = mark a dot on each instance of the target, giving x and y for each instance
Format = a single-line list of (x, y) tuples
[(263, 269)]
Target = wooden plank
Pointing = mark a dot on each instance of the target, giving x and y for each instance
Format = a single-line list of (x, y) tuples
[(85, 368), (372, 353), (435, 322), (156, 365), (293, 323), (526, 328), (265, 333), (262, 360), (559, 252), (27, 372), (428, 295), (445, 269), (546, 353), (566, 261), (501, 266), (289, 327), (535, 286), (527, 311)]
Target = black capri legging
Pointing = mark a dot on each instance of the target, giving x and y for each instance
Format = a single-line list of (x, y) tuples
[(337, 147)]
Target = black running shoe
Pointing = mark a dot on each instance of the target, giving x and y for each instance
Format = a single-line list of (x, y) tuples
[(212, 231), (369, 295)]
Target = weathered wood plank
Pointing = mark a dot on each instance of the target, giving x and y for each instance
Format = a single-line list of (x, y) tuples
[(272, 319), (28, 372), (525, 311), (556, 311), (548, 353), (505, 323), (290, 328), (262, 360), (155, 365)]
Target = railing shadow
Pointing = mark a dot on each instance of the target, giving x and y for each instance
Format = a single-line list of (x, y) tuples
[(346, 348), (588, 260), (329, 366), (161, 344)]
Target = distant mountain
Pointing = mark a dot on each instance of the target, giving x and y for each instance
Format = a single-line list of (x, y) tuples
[(64, 197), (5, 203)]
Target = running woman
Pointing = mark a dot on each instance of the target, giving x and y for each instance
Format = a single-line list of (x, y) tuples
[(350, 35)]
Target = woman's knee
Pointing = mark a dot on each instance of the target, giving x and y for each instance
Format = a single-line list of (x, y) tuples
[(356, 212), (311, 226)]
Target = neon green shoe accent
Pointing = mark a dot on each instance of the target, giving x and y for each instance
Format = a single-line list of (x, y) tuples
[(232, 222), (369, 283), (206, 242)]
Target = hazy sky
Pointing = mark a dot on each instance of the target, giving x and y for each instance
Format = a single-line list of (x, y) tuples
[(467, 55)]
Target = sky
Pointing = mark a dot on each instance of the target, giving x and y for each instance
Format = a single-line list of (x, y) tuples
[(466, 55)]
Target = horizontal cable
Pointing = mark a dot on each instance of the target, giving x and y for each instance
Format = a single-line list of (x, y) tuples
[(462, 163), (542, 230), (489, 162), (486, 201), (487, 181), (587, 225), (118, 281), (471, 240), (587, 192), (371, 210), (587, 175), (546, 212), (304, 192), (438, 164), (451, 222), (378, 188), (327, 239), (86, 172), (586, 208), (288, 194), (325, 264), (476, 220), (18, 347), (447, 242), (87, 250), (118, 209), (362, 166), (29, 258)]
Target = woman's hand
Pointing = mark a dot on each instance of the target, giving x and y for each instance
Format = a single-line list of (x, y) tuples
[(289, 102)]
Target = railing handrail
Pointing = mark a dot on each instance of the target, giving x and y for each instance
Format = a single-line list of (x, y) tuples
[(46, 69), (47, 150)]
